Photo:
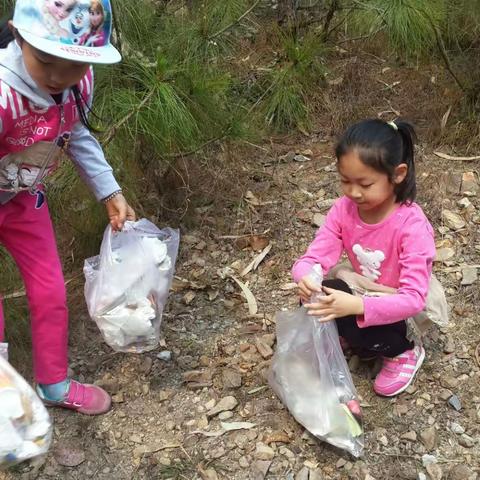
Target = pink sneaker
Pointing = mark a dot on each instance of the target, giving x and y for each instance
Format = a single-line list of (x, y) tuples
[(397, 373), (83, 398)]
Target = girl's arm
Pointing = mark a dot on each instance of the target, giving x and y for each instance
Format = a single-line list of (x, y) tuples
[(89, 159), (326, 248), (417, 251)]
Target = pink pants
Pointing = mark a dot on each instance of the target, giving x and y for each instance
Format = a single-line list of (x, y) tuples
[(27, 233)]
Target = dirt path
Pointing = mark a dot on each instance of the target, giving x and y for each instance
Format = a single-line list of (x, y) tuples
[(217, 350)]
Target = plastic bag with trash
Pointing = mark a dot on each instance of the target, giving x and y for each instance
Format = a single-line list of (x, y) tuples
[(127, 285), (25, 427), (311, 377)]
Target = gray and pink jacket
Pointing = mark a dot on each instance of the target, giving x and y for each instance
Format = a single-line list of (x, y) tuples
[(34, 130)]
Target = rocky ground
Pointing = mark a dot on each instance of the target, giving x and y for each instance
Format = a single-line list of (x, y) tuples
[(199, 407)]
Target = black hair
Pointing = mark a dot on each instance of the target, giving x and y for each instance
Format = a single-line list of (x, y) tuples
[(7, 36), (383, 146)]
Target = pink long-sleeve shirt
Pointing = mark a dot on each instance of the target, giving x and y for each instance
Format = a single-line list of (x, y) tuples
[(397, 252)]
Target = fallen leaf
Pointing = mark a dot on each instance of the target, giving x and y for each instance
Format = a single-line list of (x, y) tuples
[(277, 437), (449, 157), (258, 242), (256, 261), (179, 284), (236, 426), (444, 121), (189, 297), (252, 303)]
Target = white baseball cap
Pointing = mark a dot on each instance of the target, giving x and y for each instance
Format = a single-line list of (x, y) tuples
[(77, 30)]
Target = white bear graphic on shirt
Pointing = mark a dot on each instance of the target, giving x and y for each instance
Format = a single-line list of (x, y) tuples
[(369, 260)]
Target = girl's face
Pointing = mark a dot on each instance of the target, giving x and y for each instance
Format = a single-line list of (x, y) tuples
[(52, 74), (60, 9), (370, 189), (96, 17)]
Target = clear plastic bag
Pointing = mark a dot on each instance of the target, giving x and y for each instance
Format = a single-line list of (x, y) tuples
[(126, 286), (311, 377), (25, 427)]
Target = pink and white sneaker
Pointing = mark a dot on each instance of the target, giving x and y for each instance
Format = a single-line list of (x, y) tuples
[(81, 397), (398, 373)]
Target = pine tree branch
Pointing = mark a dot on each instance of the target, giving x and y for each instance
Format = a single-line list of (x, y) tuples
[(444, 54), (111, 133), (236, 22), (200, 147)]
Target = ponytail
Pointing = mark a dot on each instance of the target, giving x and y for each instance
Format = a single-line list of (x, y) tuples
[(407, 190)]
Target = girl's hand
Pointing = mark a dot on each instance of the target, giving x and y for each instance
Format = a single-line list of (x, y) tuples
[(306, 287), (118, 210), (335, 304)]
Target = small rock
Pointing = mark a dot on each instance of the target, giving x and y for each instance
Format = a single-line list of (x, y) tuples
[(455, 403), (316, 474), (444, 254), (434, 471), (231, 378), (225, 404), (264, 452), (341, 462), (225, 415), (326, 204), (301, 158), (68, 456), (429, 438), (457, 428), (466, 204), (243, 462), (448, 381), (469, 275), (308, 152), (117, 398), (165, 355), (411, 436), (453, 220), (421, 476), (286, 452), (428, 459), (303, 474), (469, 183), (217, 452), (449, 346), (208, 474), (260, 469), (466, 441), (288, 157), (210, 404), (369, 477), (318, 219), (135, 438), (264, 349), (445, 394), (165, 461), (461, 472)]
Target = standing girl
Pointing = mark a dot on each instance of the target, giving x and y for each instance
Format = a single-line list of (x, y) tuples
[(389, 243), (45, 91)]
